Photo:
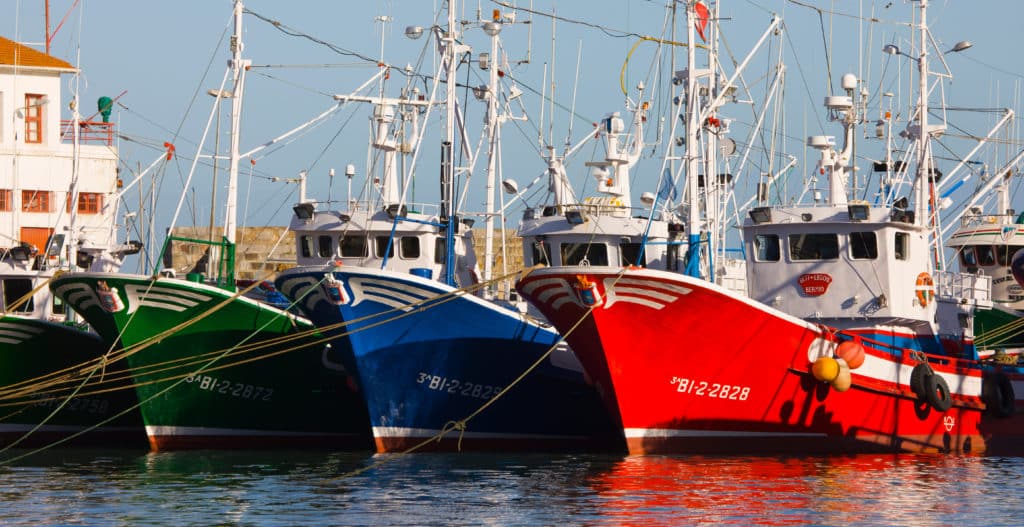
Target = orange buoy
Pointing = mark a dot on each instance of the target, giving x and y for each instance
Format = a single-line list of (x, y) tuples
[(825, 369), (843, 379), (852, 352)]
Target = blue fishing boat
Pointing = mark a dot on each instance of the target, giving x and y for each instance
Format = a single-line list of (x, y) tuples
[(397, 287)]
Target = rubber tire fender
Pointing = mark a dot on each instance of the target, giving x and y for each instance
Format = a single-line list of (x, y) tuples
[(938, 393), (919, 380), (998, 395)]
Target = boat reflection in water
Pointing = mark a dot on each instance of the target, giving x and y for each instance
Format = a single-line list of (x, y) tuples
[(901, 489)]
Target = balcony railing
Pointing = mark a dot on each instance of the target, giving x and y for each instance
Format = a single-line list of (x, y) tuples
[(89, 132)]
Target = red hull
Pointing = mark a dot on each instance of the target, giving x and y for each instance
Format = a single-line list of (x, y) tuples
[(690, 367)]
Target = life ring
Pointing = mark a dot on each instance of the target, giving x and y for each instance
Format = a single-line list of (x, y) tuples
[(919, 380), (938, 393), (997, 392), (925, 288)]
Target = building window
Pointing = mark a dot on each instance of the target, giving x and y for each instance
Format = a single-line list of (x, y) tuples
[(35, 201), (863, 246), (88, 202), (5, 201), (34, 117)]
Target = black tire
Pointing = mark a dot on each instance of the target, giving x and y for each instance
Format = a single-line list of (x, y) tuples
[(997, 392), (919, 380), (938, 393)]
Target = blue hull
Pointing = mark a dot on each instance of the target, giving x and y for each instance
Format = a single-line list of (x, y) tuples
[(423, 369)]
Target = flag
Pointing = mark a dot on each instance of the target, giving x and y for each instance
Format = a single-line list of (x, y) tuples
[(666, 190), (702, 18)]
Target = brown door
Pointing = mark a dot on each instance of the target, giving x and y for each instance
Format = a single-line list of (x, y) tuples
[(37, 236)]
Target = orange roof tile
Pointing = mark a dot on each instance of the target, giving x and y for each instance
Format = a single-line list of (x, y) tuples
[(14, 54)]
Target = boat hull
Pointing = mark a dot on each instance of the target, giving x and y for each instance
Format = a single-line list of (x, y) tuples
[(217, 370), (690, 367), (999, 327), (48, 367), (429, 361)]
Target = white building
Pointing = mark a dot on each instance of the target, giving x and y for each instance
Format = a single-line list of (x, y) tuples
[(37, 159)]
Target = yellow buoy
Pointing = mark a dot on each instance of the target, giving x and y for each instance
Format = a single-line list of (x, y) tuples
[(843, 380), (825, 369)]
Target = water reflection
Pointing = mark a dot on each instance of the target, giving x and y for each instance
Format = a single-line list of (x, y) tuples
[(88, 487), (858, 490)]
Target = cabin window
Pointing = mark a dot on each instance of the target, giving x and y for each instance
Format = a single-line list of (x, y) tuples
[(630, 253), (59, 307), (14, 290), (325, 247), (863, 246), (34, 117), (986, 255), (1004, 254), (541, 252), (306, 246), (672, 257), (35, 201), (54, 245), (814, 246), (440, 250), (902, 247), (766, 247), (409, 248), (968, 260), (586, 254), (353, 246), (384, 247)]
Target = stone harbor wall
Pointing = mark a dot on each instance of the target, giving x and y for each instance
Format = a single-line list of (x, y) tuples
[(256, 243)]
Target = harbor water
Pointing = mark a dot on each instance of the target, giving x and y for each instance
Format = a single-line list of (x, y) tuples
[(285, 488)]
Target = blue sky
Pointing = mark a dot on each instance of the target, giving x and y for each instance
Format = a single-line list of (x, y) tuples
[(165, 55)]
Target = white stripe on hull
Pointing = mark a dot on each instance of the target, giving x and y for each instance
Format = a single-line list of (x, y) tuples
[(395, 431), (172, 431), (641, 433)]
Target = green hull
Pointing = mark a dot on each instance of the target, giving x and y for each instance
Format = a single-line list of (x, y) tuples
[(31, 351), (999, 328), (222, 372)]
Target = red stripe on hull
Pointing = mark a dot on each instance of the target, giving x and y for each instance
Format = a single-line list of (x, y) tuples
[(707, 361)]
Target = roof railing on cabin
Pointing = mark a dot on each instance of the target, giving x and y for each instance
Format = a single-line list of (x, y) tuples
[(964, 288), (89, 132), (971, 219)]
